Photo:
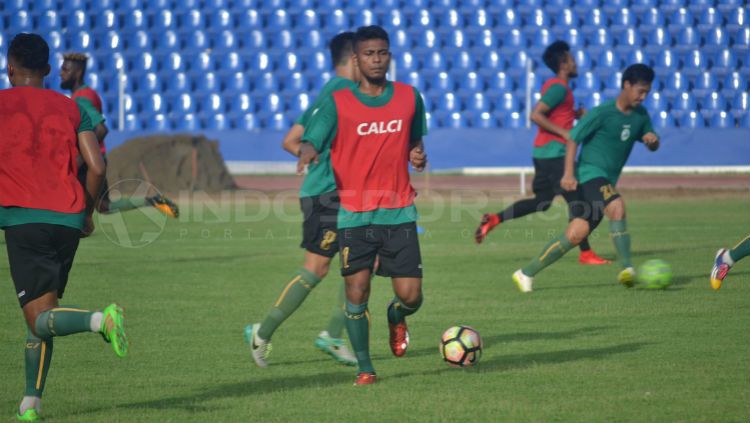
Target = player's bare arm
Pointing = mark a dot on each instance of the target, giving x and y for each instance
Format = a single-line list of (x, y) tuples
[(101, 131), (568, 181), (652, 141), (417, 156), (539, 116), (89, 148), (307, 155), (293, 140)]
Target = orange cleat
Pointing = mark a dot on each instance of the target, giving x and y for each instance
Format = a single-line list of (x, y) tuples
[(489, 221), (365, 378), (589, 257), (399, 338), (164, 205)]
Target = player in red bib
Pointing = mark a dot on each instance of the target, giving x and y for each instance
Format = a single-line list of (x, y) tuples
[(72, 74), (372, 129), (43, 208), (554, 114)]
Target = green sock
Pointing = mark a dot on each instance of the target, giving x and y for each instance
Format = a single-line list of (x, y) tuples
[(338, 318), (397, 310), (62, 321), (290, 299), (126, 204), (358, 326), (38, 354), (550, 254), (618, 231), (740, 250)]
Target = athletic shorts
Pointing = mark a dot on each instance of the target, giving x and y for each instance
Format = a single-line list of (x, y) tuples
[(547, 176), (320, 214), (40, 257), (397, 247), (104, 195), (593, 198)]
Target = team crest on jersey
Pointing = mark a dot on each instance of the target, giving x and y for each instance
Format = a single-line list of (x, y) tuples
[(376, 128), (625, 134)]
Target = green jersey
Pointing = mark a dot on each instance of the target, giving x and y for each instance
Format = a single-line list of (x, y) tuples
[(319, 179), (322, 132), (607, 136)]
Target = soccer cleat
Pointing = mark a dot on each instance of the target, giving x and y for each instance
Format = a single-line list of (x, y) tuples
[(365, 378), (30, 415), (164, 205), (336, 348), (399, 338), (113, 329), (523, 282), (488, 222), (720, 270), (589, 257), (260, 349), (627, 277)]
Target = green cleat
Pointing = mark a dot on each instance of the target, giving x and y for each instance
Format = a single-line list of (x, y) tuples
[(29, 415), (113, 329), (336, 348)]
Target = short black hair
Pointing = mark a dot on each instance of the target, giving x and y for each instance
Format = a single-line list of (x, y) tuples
[(372, 32), (637, 73), (29, 51), (341, 47), (79, 59), (555, 54)]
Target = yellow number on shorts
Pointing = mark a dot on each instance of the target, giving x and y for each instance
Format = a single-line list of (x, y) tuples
[(345, 258), (608, 191), (328, 238)]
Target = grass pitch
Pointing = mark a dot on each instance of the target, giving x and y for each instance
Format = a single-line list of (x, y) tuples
[(578, 349)]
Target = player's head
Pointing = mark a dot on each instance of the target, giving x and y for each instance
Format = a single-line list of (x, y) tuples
[(73, 70), (636, 84), (28, 59), (557, 57), (372, 52), (342, 55)]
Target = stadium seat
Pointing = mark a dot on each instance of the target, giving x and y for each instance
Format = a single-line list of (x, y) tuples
[(56, 42), (364, 17), (130, 5), (724, 62), (541, 40), (220, 20), (142, 62), (223, 42), (744, 121), (741, 104), (734, 82), (671, 6), (692, 120), (171, 63), (394, 19), (471, 82), (105, 21), (20, 21), (687, 39), (637, 56), (283, 40), (139, 41), (212, 103), (48, 21), (722, 120), (216, 122), (612, 86), (622, 20), (683, 104), (253, 40), (517, 64), (231, 63), (186, 122), (206, 83), (477, 102), (651, 20), (441, 82), (134, 20), (659, 40), (93, 81), (675, 84), (564, 20), (405, 62), (400, 40), (163, 20), (479, 20), (167, 41), (182, 104), (454, 120), (725, 6), (655, 103), (610, 7), (513, 120), (741, 41), (582, 7), (694, 63), (507, 102), (538, 19), (196, 41), (336, 21), (433, 62), (265, 84), (586, 84), (152, 104), (312, 40), (186, 5), (412, 78), (295, 82), (132, 123), (450, 18), (607, 62), (641, 6), (599, 41), (201, 63), (462, 63), (234, 83), (527, 7), (279, 19), (298, 103), (484, 41), (113, 63), (593, 20), (454, 41), (156, 122), (246, 122), (178, 83), (712, 103), (681, 19), (573, 38), (704, 84), (710, 18), (289, 62), (628, 40), (499, 83), (149, 83), (745, 67), (249, 19), (666, 62), (483, 120), (446, 102), (426, 41), (662, 120), (737, 20), (698, 6), (277, 122), (259, 63)]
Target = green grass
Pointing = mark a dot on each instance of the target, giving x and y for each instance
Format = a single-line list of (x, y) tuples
[(579, 349)]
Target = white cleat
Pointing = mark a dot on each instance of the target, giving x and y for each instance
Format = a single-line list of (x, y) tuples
[(260, 348), (522, 281), (627, 277), (336, 348)]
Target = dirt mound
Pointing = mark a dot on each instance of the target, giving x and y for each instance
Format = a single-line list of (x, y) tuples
[(171, 163)]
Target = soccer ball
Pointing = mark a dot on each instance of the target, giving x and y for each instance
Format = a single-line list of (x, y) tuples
[(655, 274), (461, 346)]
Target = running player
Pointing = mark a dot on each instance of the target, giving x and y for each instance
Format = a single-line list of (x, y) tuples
[(320, 204), (554, 114), (371, 131), (607, 134), (43, 207), (725, 259), (72, 75)]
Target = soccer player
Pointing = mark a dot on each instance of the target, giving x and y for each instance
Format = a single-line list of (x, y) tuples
[(607, 134), (371, 131), (72, 74), (320, 204), (554, 114), (725, 259), (43, 207)]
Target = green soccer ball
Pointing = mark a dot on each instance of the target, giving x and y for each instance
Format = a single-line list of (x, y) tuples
[(655, 274)]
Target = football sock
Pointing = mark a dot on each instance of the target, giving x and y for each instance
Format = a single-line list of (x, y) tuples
[(550, 254), (338, 318), (126, 204), (38, 353), (618, 231), (397, 310), (523, 207), (29, 402), (584, 245), (291, 297), (739, 251), (63, 321), (358, 326)]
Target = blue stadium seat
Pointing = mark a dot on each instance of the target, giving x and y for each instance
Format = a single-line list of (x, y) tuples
[(426, 41), (394, 19), (586, 84), (582, 7), (507, 103), (681, 18), (132, 123), (704, 84), (462, 63), (655, 103), (499, 83), (610, 7), (710, 18), (692, 120), (39, 6), (662, 120), (231, 63), (698, 6), (607, 62), (659, 40), (113, 62), (741, 104), (364, 17), (734, 82), (20, 21), (650, 20), (93, 80), (328, 4), (196, 41), (477, 102), (216, 122), (134, 20), (272, 4), (566, 19), (612, 85), (483, 120), (104, 21), (283, 40), (573, 38), (202, 63), (433, 62), (149, 82), (139, 41), (471, 82), (451, 18), (249, 20), (671, 6), (480, 19), (265, 84), (295, 82), (741, 40), (186, 5), (48, 21), (272, 103), (687, 39), (555, 6), (628, 40), (694, 63), (259, 63), (413, 78), (517, 63), (156, 123), (637, 56), (683, 104), (277, 122), (171, 63), (220, 20), (279, 19), (513, 120), (312, 40), (599, 41), (446, 102), (167, 41), (441, 82), (594, 20), (298, 103), (745, 67), (186, 122), (212, 103), (666, 62), (223, 42), (289, 62), (675, 84), (454, 41), (744, 121), (336, 21), (514, 41), (253, 40), (541, 40), (454, 120), (712, 103), (736, 20), (56, 42), (152, 104), (725, 6), (491, 62), (724, 62), (537, 20), (163, 20), (77, 20), (352, 5), (178, 82), (234, 83), (182, 104), (527, 7), (130, 5), (206, 82), (247, 122), (484, 41), (400, 40), (191, 20), (420, 20), (641, 6), (722, 120), (142, 62), (406, 62)]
